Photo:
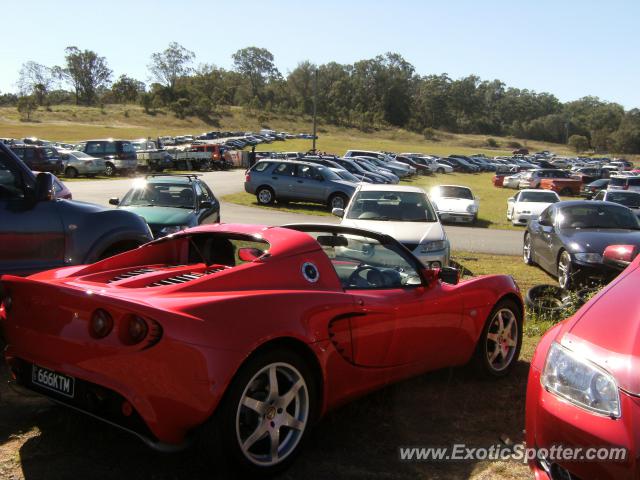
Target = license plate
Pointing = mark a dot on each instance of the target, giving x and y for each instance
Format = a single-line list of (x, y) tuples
[(54, 381)]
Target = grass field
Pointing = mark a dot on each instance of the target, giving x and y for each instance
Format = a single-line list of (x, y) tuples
[(359, 440), (493, 201)]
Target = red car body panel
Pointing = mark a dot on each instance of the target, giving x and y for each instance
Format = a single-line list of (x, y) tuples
[(605, 330), (498, 180), (207, 327)]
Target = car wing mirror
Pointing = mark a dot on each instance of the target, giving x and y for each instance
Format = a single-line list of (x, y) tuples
[(248, 254), (114, 201), (448, 275), (511, 199), (338, 212), (206, 204), (45, 189)]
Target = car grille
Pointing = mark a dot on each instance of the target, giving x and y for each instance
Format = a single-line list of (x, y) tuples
[(130, 274), (184, 277), (411, 246)]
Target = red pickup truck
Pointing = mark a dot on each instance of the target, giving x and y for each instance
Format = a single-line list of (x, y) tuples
[(562, 186)]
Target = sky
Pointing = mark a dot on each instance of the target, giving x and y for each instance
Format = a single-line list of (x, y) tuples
[(565, 47)]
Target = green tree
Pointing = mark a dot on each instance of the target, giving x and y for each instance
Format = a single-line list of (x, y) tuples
[(26, 106), (36, 79), (86, 72), (173, 63), (579, 143), (127, 89), (257, 68)]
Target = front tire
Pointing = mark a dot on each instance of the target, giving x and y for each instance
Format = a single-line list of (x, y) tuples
[(266, 413), (500, 342), (338, 200), (71, 172), (527, 250), (440, 170), (567, 273), (110, 170)]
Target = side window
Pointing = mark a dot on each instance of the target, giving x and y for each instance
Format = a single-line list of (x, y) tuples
[(19, 152), (10, 184), (547, 217), (110, 148), (286, 169), (599, 196), (261, 166), (200, 192), (363, 263), (29, 154), (308, 172), (95, 148)]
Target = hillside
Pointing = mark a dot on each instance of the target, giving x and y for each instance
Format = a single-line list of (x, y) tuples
[(71, 123)]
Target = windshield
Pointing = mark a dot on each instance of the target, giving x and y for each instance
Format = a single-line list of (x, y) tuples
[(452, 192), (391, 206), (81, 155), (617, 181), (542, 197), (50, 152), (597, 216), (343, 174), (328, 173), (179, 195), (628, 199)]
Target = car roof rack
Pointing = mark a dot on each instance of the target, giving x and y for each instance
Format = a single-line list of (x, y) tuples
[(188, 175)]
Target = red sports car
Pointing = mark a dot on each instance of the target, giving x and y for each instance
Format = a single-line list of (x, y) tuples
[(244, 335), (584, 386)]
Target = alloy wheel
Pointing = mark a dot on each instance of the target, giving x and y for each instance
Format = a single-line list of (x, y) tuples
[(502, 339), (338, 202), (564, 270), (272, 414), (526, 250), (265, 196)]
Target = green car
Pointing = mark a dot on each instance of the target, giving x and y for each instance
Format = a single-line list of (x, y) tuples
[(170, 203)]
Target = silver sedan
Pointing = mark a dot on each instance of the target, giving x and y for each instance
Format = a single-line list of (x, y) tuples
[(79, 163)]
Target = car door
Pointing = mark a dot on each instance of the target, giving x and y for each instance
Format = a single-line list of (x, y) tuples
[(398, 319), (309, 184), (282, 180), (204, 195), (544, 238), (31, 233)]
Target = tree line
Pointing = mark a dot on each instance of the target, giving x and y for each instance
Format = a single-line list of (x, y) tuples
[(368, 94)]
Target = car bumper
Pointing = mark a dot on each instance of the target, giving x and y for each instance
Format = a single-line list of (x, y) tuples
[(435, 259), (523, 218), (457, 217), (551, 421)]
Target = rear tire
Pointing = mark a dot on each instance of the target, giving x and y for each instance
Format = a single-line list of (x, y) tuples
[(440, 170), (110, 170), (500, 342), (71, 172), (265, 195), (254, 416)]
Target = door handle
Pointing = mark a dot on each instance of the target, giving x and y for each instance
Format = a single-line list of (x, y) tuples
[(274, 178), (300, 181)]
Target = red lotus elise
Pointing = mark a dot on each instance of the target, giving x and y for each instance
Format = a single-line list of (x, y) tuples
[(584, 386), (244, 335)]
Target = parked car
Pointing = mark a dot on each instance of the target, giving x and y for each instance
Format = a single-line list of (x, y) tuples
[(403, 212), (38, 232), (170, 203), (353, 168), (460, 165), (583, 386), (532, 178), (370, 167), (119, 155), (569, 238), (589, 174), (528, 204), (563, 186), (624, 183), (592, 188), (512, 181), (78, 163), (42, 159), (284, 180), (626, 198), (398, 170), (150, 158), (217, 161), (455, 203), (240, 337)]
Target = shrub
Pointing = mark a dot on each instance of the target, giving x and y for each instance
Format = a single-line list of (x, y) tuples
[(579, 143), (492, 142), (514, 144), (429, 134)]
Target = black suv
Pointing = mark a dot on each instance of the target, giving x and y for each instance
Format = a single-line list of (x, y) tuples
[(119, 155), (38, 232), (41, 159)]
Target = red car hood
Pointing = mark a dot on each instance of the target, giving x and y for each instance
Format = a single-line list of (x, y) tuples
[(607, 329)]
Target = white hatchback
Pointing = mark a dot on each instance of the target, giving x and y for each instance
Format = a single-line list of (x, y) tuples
[(402, 212), (455, 203), (528, 204)]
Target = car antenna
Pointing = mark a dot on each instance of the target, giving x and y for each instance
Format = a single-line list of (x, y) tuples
[(198, 251)]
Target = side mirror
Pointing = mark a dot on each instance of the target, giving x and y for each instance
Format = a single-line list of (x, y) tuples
[(449, 275), (248, 254), (205, 205), (338, 212), (114, 201), (45, 189), (511, 199)]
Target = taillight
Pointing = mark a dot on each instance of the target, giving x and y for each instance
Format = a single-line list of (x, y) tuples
[(101, 324), (136, 330), (247, 178)]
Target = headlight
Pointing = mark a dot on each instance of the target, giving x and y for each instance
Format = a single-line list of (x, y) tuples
[(581, 382), (588, 257), (433, 246), (173, 229), (472, 208)]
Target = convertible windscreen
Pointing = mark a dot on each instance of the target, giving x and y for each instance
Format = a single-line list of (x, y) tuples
[(392, 206), (597, 216)]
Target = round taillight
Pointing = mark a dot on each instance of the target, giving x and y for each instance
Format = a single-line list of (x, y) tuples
[(137, 329), (101, 324)]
